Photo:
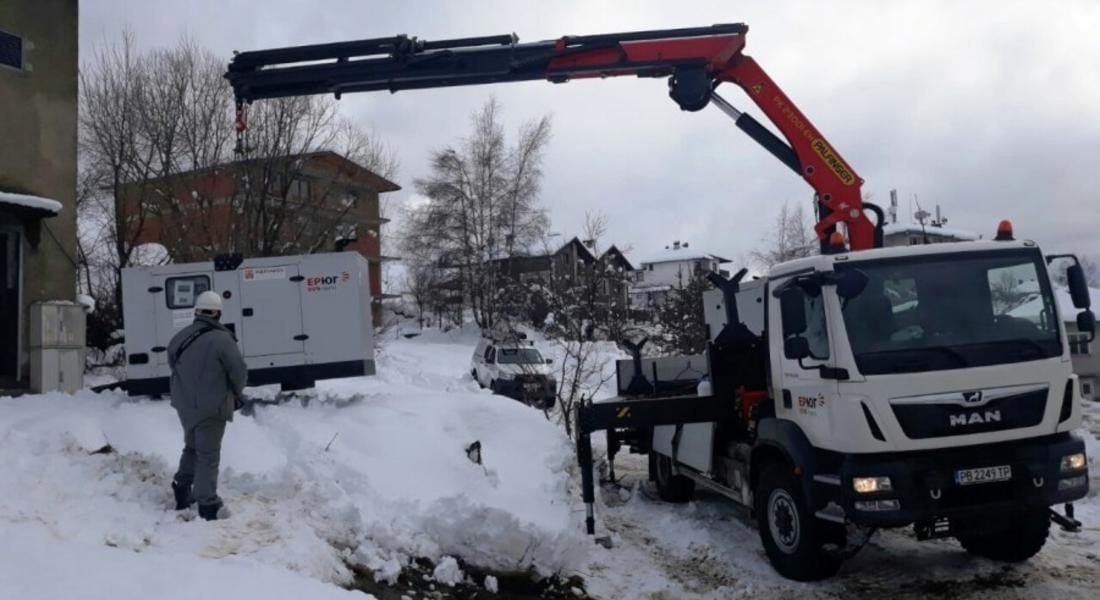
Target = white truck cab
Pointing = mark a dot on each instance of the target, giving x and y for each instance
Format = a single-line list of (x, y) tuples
[(925, 385), (515, 369)]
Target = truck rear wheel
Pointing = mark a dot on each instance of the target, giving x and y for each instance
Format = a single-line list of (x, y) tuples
[(791, 534), (1024, 539), (671, 487)]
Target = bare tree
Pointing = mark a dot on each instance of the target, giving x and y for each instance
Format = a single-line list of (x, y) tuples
[(110, 156), (581, 373), (790, 237), (482, 205), (595, 226), (424, 282)]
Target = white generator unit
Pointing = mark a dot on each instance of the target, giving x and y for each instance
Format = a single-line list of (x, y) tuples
[(297, 318)]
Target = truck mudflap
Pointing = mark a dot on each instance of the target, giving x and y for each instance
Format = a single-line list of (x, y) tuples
[(961, 483)]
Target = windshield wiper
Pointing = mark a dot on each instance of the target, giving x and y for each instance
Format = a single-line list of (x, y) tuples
[(944, 350), (949, 351), (1027, 343)]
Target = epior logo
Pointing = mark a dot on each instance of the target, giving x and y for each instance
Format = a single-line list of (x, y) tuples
[(317, 283)]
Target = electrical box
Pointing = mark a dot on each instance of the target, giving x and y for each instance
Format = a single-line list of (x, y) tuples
[(57, 369), (56, 346), (57, 324)]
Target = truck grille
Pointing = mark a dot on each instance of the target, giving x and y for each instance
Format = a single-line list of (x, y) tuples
[(920, 421)]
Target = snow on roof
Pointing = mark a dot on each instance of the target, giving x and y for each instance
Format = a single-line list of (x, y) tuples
[(33, 202), (914, 228), (1066, 311), (87, 301), (648, 289), (680, 254)]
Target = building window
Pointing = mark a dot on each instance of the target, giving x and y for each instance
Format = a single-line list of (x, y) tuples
[(11, 50), (1086, 389), (350, 199), (301, 187), (1079, 343), (180, 292)]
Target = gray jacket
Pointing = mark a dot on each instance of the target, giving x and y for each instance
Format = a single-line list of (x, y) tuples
[(209, 374)]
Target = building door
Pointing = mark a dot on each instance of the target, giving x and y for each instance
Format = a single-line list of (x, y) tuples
[(10, 278)]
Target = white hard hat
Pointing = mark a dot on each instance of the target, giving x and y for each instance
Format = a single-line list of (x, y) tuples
[(208, 301)]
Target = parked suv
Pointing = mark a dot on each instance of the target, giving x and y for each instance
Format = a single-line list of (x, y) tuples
[(514, 369)]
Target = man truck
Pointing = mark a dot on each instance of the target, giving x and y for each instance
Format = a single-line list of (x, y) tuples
[(851, 391)]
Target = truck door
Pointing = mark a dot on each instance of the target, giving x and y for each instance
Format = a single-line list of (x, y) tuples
[(805, 395), (174, 309), (271, 311)]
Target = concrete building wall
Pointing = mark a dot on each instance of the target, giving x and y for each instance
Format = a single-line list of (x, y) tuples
[(38, 140)]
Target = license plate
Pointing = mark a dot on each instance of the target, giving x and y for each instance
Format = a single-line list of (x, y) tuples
[(983, 475), (532, 387)]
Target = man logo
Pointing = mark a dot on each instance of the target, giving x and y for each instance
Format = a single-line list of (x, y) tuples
[(972, 397), (975, 418)]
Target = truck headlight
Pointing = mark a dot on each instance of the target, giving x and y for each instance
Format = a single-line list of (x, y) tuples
[(1074, 462), (870, 485)]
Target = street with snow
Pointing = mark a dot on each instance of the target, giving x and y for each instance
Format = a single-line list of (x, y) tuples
[(364, 487)]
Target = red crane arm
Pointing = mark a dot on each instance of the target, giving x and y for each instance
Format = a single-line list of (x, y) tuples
[(695, 60), (835, 183)]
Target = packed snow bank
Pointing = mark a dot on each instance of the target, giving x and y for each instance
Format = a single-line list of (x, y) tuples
[(36, 564), (373, 471)]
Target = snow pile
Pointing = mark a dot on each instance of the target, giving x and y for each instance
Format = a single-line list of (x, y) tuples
[(372, 472), (448, 572), (917, 229)]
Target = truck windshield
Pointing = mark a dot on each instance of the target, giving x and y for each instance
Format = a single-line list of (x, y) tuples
[(952, 311), (518, 356)]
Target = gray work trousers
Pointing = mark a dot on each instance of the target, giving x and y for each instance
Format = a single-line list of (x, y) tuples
[(202, 449)]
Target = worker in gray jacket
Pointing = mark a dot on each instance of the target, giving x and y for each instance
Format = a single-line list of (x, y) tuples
[(208, 376)]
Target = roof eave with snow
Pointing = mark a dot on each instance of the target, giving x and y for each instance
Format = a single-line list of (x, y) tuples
[(29, 206)]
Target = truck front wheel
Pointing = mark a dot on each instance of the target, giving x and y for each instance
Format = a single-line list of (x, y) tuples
[(671, 487), (791, 534), (1021, 541)]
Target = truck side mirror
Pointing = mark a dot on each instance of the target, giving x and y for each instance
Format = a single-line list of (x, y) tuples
[(1086, 323), (796, 348), (1078, 286), (792, 310)]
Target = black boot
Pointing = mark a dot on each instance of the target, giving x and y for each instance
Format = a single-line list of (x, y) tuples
[(182, 491), (210, 511)]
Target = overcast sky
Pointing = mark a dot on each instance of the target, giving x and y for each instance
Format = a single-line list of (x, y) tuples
[(989, 109)]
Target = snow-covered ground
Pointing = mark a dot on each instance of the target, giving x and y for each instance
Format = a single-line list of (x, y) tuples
[(372, 473)]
